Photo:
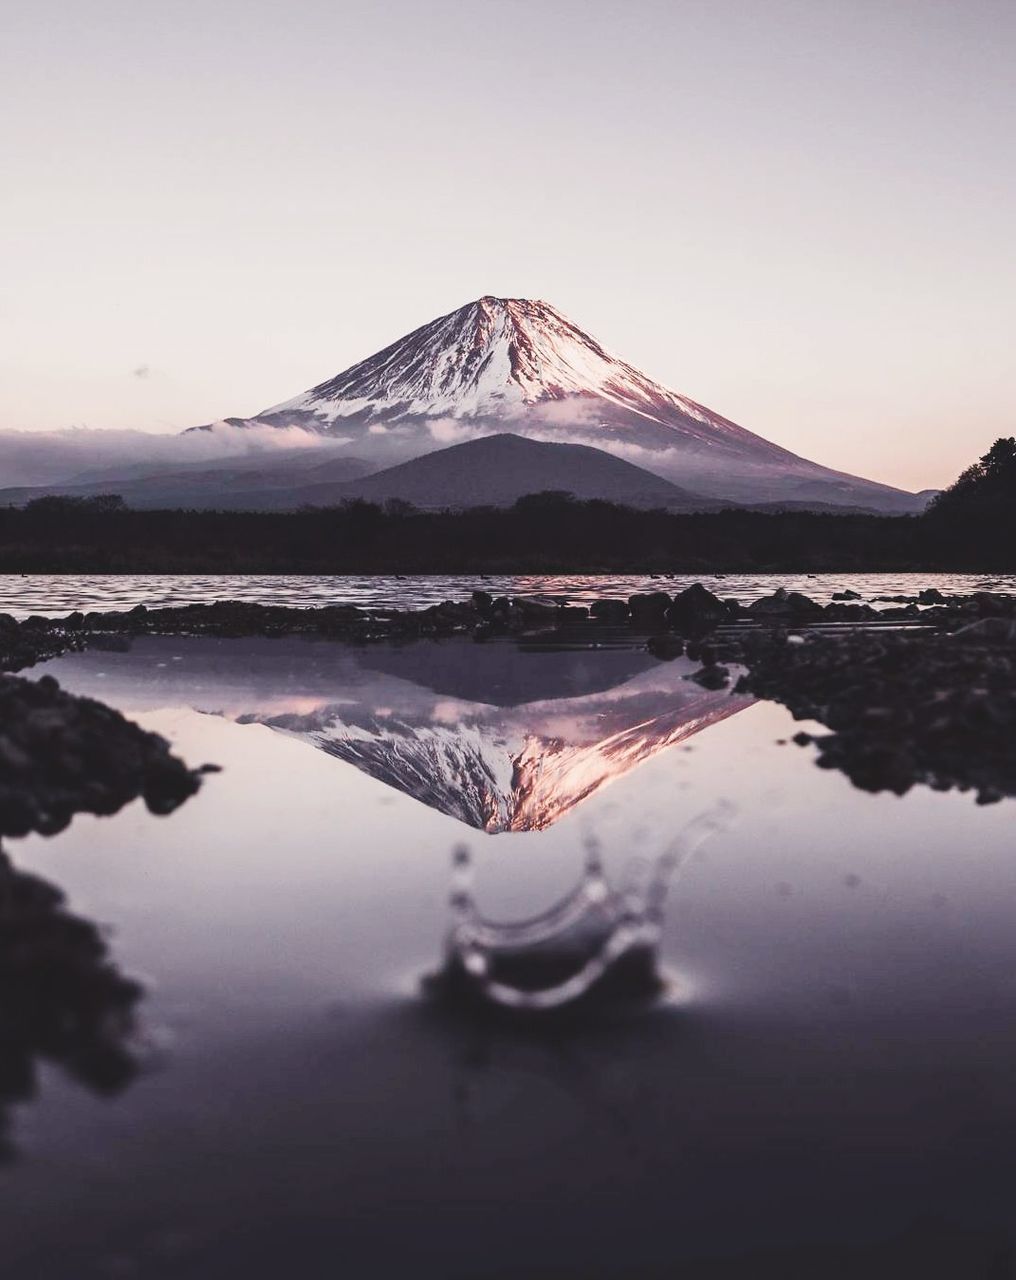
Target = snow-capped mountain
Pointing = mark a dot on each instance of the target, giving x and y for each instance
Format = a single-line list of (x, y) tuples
[(516, 365), (493, 358)]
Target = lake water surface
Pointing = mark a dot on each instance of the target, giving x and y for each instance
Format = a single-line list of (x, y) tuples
[(829, 1087), (55, 594)]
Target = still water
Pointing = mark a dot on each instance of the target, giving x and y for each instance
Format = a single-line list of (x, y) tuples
[(829, 1083), (57, 594)]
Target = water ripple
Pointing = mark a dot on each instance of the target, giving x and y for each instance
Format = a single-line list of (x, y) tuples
[(57, 594)]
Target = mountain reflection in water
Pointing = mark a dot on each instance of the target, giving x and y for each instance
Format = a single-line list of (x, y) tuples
[(501, 738)]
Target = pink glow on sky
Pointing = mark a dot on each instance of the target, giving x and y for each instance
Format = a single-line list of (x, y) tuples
[(797, 212)]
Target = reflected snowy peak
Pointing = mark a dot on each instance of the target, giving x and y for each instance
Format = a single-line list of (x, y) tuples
[(496, 736), (515, 768)]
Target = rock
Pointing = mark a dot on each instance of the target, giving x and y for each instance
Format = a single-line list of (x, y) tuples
[(649, 610), (615, 611), (696, 609), (906, 613), (711, 677), (993, 630), (776, 605), (903, 707), (803, 606), (450, 614), (63, 755), (784, 604), (930, 595), (665, 645), (849, 612), (846, 595), (483, 602), (535, 611), (989, 605)]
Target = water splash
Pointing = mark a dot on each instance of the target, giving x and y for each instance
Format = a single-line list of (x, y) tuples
[(597, 942)]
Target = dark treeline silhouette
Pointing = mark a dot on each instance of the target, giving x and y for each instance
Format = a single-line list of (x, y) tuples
[(971, 526), (976, 517)]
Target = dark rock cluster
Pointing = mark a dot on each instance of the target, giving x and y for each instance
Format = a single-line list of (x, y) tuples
[(61, 996), (901, 708), (693, 612), (61, 754)]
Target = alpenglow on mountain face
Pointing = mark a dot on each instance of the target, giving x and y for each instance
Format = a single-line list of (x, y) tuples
[(515, 365)]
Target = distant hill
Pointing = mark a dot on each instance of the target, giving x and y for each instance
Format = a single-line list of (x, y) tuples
[(263, 482), (495, 471)]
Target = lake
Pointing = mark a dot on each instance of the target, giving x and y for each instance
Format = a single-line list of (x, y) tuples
[(825, 1086), (56, 594)]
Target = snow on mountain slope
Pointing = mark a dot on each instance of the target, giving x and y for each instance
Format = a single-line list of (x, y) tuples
[(488, 358), (516, 365)]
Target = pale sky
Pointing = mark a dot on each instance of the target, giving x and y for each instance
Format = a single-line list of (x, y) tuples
[(798, 212)]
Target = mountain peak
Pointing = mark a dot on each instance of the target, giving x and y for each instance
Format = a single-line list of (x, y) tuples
[(485, 358), (519, 364)]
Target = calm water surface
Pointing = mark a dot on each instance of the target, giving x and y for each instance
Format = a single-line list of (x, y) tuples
[(57, 594), (833, 1076)]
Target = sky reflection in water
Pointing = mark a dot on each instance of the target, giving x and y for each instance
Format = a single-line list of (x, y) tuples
[(837, 1070)]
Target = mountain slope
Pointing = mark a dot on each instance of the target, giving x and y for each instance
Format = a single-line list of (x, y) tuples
[(497, 470), (516, 365)]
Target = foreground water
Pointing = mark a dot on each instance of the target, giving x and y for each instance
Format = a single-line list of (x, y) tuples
[(56, 594), (828, 1087)]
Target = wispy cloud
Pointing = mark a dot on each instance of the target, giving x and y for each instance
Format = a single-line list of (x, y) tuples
[(51, 457)]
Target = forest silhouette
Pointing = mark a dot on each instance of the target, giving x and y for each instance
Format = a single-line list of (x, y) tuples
[(970, 526)]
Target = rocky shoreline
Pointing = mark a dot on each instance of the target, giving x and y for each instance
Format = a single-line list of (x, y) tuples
[(920, 691), (62, 998), (61, 755), (692, 613)]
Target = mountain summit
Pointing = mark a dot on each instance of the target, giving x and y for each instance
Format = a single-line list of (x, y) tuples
[(491, 357), (516, 365)]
